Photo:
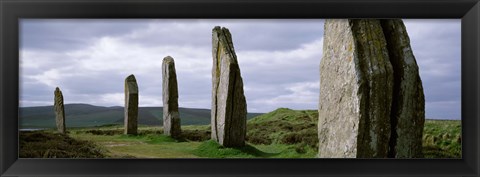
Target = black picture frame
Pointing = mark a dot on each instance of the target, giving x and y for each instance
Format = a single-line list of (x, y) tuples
[(13, 10)]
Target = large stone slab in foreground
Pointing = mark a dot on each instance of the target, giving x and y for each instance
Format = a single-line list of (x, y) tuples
[(171, 118), (356, 84), (131, 105), (229, 107), (364, 90)]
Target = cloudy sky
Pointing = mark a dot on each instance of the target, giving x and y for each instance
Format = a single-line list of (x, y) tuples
[(279, 61)]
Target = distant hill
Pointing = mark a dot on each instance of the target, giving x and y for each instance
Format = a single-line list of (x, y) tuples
[(85, 115)]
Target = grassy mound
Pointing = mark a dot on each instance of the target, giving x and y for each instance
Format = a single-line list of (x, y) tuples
[(41, 144), (285, 126)]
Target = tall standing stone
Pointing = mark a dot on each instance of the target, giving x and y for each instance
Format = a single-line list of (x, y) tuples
[(356, 82), (59, 111), (171, 118), (229, 107), (408, 107), (363, 93), (131, 105)]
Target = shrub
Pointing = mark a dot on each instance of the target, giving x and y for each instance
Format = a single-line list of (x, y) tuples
[(40, 144)]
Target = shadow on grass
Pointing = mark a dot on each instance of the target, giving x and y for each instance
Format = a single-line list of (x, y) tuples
[(212, 149)]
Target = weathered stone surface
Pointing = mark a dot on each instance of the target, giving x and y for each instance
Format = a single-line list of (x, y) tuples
[(171, 118), (355, 85), (131, 105), (408, 106), (229, 107), (59, 111), (360, 114)]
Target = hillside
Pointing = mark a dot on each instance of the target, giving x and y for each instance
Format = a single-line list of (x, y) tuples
[(285, 126), (84, 115)]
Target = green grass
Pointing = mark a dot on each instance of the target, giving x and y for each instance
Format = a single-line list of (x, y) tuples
[(283, 133), (151, 143), (148, 143), (284, 126), (212, 149), (442, 139)]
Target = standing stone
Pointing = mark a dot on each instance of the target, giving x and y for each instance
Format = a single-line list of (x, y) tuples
[(371, 98), (356, 83), (171, 118), (59, 111), (131, 105), (229, 107), (408, 107)]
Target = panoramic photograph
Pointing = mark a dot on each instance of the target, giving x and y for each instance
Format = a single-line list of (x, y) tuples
[(240, 88)]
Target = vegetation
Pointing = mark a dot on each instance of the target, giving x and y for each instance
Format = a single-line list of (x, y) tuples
[(442, 139), (54, 145), (283, 133), (212, 149), (285, 126), (148, 143)]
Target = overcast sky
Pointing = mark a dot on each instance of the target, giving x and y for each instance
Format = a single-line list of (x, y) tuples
[(279, 61)]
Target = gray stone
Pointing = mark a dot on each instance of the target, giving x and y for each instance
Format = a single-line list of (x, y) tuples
[(229, 107), (131, 105), (171, 118), (59, 111), (408, 106), (356, 82), (368, 103)]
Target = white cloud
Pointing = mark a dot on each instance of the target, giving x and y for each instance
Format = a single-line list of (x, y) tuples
[(279, 61), (34, 103), (49, 78), (117, 99), (298, 93)]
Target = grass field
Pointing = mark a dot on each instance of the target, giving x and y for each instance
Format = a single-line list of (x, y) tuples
[(442, 139), (283, 133), (194, 143)]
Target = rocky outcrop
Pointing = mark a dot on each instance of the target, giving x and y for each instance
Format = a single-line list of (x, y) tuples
[(131, 105), (171, 118), (59, 111), (362, 91), (229, 107)]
